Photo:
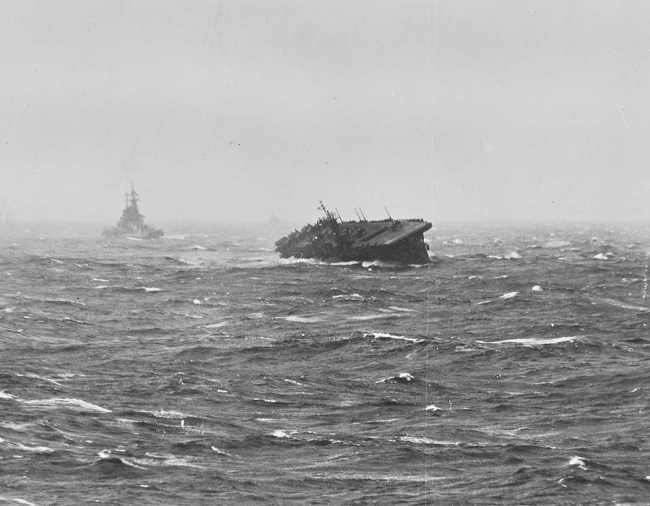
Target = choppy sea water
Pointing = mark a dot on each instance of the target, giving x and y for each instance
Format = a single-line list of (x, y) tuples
[(202, 369)]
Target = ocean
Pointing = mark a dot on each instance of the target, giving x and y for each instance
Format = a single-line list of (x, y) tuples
[(202, 369)]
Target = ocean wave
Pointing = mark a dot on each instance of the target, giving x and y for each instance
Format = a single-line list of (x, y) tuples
[(535, 340), (403, 377), (167, 414), (382, 264), (302, 319), (30, 449), (428, 441), (351, 297), (349, 398), (384, 335), (17, 500), (65, 402), (620, 304), (149, 289)]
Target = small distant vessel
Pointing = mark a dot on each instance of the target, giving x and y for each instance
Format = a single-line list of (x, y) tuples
[(333, 239), (131, 223)]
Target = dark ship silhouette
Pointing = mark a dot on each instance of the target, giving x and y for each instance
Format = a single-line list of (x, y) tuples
[(131, 223), (333, 239)]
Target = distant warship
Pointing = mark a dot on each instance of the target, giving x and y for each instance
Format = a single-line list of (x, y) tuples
[(333, 239), (131, 223)]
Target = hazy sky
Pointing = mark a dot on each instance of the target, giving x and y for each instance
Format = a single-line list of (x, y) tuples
[(222, 110)]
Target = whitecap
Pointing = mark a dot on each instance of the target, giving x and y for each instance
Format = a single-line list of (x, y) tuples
[(57, 401), (578, 461), (384, 335), (216, 325), (220, 452), (433, 407), (18, 500), (4, 395), (536, 288), (385, 420), (533, 340), (404, 377), (106, 454), (620, 304), (352, 296), (302, 319), (18, 427), (37, 449), (164, 460), (65, 301), (427, 441), (391, 313), (280, 434), (293, 260), (36, 376), (509, 295), (380, 263), (167, 414), (395, 308), (149, 289), (601, 256)]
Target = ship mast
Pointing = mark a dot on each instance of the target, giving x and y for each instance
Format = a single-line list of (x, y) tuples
[(327, 213), (134, 197)]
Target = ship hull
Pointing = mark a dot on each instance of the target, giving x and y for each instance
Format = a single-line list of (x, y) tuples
[(389, 240)]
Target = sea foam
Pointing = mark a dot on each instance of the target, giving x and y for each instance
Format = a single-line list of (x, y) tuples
[(533, 340), (57, 401)]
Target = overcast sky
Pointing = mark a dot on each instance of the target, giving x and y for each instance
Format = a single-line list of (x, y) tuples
[(221, 110)]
